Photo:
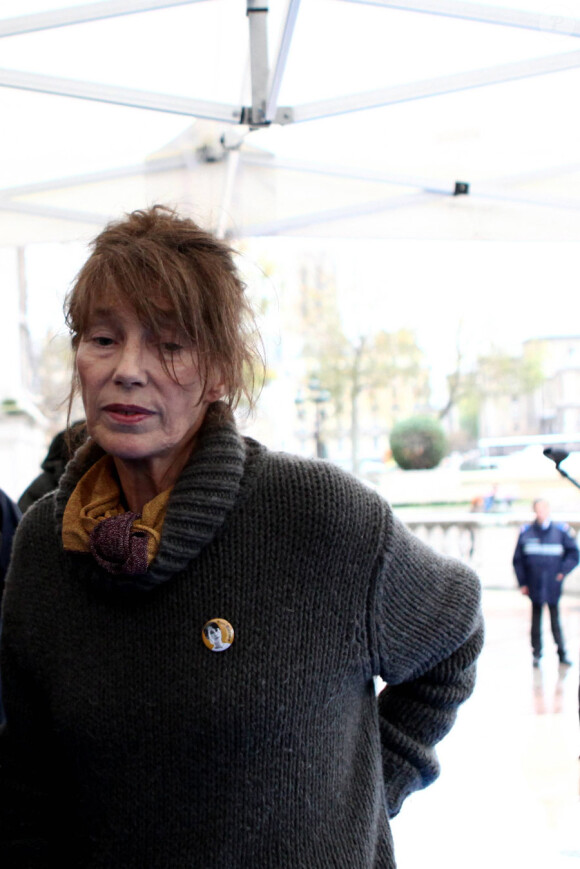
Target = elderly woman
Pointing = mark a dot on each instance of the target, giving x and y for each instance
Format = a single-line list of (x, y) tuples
[(167, 522)]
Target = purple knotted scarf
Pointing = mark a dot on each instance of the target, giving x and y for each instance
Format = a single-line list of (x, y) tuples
[(117, 548)]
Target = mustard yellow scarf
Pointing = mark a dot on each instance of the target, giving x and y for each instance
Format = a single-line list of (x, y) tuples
[(97, 497)]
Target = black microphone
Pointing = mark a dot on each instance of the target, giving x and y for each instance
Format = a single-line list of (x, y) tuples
[(556, 455)]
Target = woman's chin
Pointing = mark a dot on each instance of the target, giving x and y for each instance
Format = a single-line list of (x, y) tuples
[(127, 447)]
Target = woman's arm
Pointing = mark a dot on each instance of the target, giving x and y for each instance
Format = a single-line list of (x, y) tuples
[(429, 633), (415, 716)]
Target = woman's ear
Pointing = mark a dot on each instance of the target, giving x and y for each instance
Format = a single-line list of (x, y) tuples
[(215, 387)]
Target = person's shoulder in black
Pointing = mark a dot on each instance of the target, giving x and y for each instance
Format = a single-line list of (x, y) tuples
[(61, 449), (10, 516)]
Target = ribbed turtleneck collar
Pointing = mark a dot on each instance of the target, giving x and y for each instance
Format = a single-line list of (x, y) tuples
[(199, 503)]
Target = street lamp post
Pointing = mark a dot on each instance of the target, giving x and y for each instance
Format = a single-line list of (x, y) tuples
[(318, 396)]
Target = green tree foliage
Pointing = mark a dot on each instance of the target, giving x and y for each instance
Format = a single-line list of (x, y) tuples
[(376, 375), (349, 367), (495, 374), (469, 406), (418, 442), (389, 364), (501, 374)]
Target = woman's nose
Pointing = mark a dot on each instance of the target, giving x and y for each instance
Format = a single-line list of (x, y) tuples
[(131, 365)]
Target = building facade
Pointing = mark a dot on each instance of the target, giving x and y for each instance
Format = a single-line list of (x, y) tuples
[(552, 407)]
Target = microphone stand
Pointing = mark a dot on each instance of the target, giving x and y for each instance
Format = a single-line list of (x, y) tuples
[(558, 456), (568, 477)]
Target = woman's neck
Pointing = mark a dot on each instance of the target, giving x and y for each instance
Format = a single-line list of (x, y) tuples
[(141, 480)]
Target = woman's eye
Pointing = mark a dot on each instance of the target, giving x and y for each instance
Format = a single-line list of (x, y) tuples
[(102, 341), (171, 347)]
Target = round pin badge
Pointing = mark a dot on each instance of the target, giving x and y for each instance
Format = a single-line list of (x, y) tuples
[(217, 635)]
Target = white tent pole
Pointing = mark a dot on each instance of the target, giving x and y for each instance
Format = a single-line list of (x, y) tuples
[(562, 203), (152, 166), (436, 86), (348, 173), (301, 221), (82, 14), (308, 111), (277, 227), (547, 23), (281, 59), (233, 158), (257, 12), (450, 8), (133, 98), (233, 161), (53, 212)]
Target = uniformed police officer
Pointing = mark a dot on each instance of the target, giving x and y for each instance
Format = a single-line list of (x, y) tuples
[(546, 551)]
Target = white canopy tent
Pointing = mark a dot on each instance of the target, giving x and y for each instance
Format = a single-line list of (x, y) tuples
[(359, 118), (416, 120)]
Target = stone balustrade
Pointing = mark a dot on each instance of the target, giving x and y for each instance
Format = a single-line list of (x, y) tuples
[(485, 541)]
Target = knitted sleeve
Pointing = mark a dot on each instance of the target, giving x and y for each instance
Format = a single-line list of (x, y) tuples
[(428, 632), (26, 742)]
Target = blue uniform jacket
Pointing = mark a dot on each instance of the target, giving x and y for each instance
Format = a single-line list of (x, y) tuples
[(541, 554)]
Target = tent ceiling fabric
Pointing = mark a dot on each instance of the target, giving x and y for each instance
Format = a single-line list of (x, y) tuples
[(331, 118)]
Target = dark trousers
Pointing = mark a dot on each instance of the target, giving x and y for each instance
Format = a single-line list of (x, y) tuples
[(537, 609)]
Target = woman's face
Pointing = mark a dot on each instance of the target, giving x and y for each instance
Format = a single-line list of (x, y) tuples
[(214, 635), (134, 409)]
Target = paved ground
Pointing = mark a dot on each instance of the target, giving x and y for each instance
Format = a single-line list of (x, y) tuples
[(508, 795)]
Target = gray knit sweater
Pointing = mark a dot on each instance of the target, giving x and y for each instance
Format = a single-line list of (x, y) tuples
[(131, 745)]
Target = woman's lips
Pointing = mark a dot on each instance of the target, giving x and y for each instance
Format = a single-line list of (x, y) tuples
[(127, 414)]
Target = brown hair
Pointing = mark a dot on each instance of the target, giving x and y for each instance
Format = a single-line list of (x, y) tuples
[(158, 262)]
